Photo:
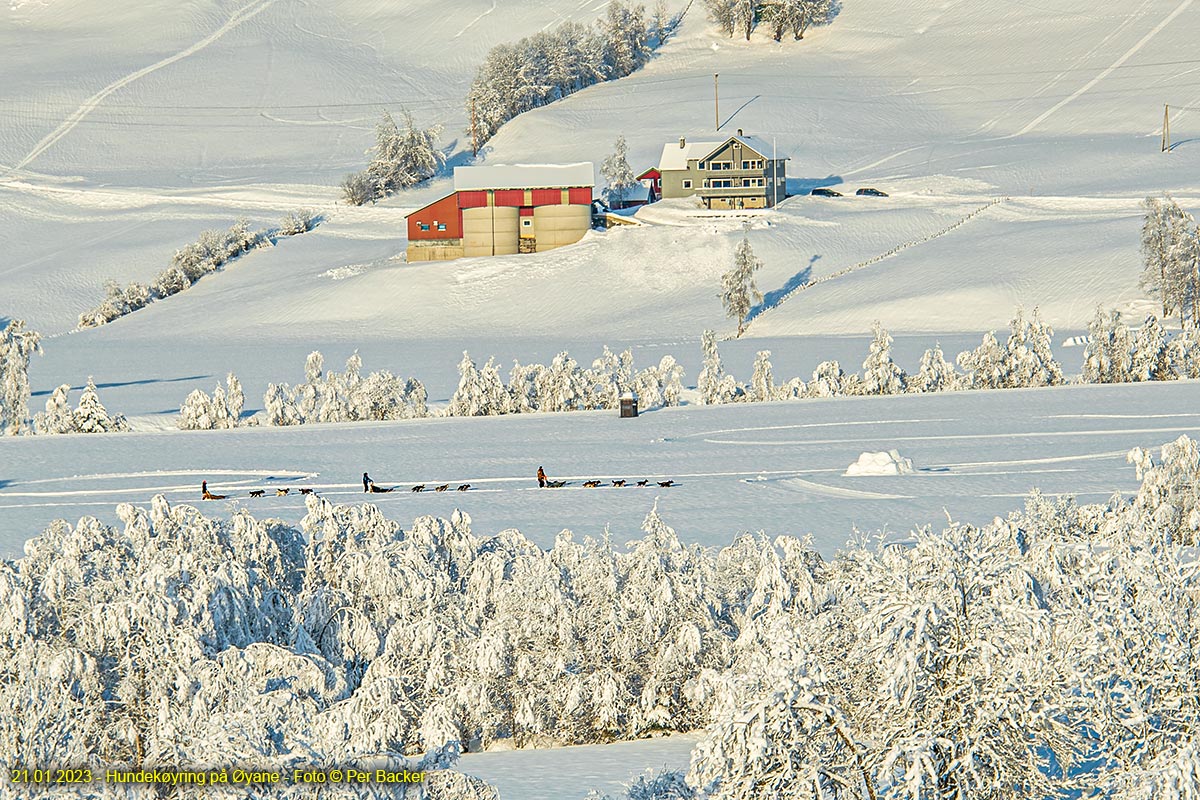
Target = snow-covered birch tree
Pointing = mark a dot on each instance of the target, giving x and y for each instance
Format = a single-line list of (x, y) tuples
[(17, 346), (616, 171), (738, 290)]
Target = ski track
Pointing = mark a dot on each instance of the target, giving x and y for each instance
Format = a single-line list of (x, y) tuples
[(959, 436), (471, 24), (237, 18), (816, 425), (1128, 54), (837, 491)]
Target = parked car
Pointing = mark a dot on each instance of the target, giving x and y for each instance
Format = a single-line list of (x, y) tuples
[(822, 192), (869, 192)]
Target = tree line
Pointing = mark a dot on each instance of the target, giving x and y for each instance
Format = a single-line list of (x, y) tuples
[(555, 63), (780, 17)]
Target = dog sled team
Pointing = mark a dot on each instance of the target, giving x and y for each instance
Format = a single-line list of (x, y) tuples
[(370, 487), (546, 483), (205, 494)]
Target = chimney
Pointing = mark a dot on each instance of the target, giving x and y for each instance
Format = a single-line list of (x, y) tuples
[(739, 131), (682, 142)]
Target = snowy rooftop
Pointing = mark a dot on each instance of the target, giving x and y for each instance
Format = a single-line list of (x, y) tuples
[(676, 157), (524, 176)]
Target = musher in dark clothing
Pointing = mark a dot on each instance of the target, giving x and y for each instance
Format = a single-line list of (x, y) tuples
[(366, 482), (541, 476)]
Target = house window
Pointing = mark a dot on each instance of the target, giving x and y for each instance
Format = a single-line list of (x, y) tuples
[(722, 183), (423, 226), (687, 184), (528, 223), (719, 165), (441, 226), (752, 164), (701, 165)]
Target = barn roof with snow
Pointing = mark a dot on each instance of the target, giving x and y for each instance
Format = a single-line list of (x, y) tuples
[(524, 176)]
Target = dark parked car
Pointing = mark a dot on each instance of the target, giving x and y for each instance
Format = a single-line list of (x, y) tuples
[(820, 192), (871, 192)]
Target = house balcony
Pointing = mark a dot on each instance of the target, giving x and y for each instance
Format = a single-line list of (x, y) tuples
[(738, 173), (734, 191)]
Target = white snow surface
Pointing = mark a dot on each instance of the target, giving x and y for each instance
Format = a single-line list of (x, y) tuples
[(1016, 141), (884, 462)]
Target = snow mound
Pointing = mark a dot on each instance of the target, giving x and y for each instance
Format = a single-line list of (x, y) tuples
[(888, 462)]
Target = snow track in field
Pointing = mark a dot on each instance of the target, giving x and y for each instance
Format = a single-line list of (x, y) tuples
[(237, 18), (1128, 54)]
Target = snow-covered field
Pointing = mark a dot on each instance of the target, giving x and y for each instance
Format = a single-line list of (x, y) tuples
[(1016, 141)]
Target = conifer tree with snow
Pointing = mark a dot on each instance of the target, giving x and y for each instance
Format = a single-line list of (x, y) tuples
[(1029, 360), (222, 410), (738, 289), (936, 374), (17, 346), (762, 381), (1151, 356), (467, 400), (986, 366), (92, 417), (714, 385), (616, 171), (881, 375), (1107, 357), (828, 380)]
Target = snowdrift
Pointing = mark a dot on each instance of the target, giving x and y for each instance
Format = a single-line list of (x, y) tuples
[(887, 462)]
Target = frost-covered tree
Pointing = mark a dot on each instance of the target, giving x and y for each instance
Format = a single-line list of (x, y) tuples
[(1185, 352), (936, 374), (223, 409), (17, 346), (881, 375), (986, 366), (828, 380), (92, 417), (403, 156), (714, 385), (796, 16), (723, 14), (467, 400), (616, 171), (1107, 357), (785, 738), (302, 220), (58, 416), (1029, 359), (745, 15), (1164, 260), (1151, 356), (762, 381), (552, 64), (738, 289), (624, 34)]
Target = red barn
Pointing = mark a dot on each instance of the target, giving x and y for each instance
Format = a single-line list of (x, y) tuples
[(503, 210)]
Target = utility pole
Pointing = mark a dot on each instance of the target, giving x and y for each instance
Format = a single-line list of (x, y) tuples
[(1166, 142), (716, 103), (774, 175), (474, 135)]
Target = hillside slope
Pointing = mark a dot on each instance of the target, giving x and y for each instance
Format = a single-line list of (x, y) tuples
[(947, 109)]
